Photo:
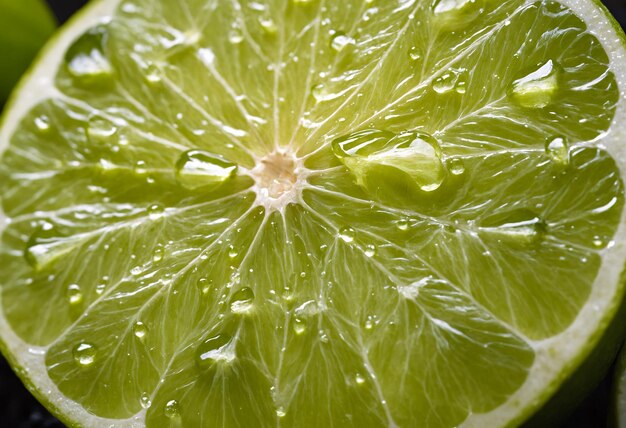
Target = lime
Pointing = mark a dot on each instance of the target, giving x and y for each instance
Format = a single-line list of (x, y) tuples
[(308, 213), (26, 25)]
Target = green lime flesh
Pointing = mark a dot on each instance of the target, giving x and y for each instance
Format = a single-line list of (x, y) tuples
[(184, 245)]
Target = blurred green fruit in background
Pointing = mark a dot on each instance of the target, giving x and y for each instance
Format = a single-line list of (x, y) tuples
[(26, 25)]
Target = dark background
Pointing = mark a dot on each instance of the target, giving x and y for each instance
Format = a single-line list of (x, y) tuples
[(18, 409)]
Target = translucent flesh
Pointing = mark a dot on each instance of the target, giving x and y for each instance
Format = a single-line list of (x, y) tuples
[(369, 303)]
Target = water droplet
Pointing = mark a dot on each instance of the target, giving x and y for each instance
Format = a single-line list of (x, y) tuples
[(235, 35), (341, 41), (172, 409), (232, 252), (456, 166), (100, 130), (537, 89), (242, 301), (74, 295), (155, 211), (417, 155), (453, 79), (152, 74), (140, 330), (402, 224), (321, 93), (281, 412), (455, 14), (145, 400), (558, 150), (359, 379), (100, 288), (598, 242), (42, 123), (159, 253), (370, 322), (347, 234), (84, 354), (268, 25), (370, 250), (204, 285), (86, 58), (520, 226), (299, 326), (44, 248), (324, 336), (415, 53), (197, 168), (216, 349)]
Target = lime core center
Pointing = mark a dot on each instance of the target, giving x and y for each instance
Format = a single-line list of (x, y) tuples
[(277, 179)]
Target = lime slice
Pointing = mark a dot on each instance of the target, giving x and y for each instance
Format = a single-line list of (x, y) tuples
[(26, 25), (312, 213)]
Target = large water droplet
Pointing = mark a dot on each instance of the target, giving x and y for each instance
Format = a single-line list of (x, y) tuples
[(340, 41), (537, 89), (242, 301), (453, 79), (100, 130), (520, 226), (455, 14), (84, 354), (197, 168), (172, 409), (216, 349), (86, 59), (44, 248), (558, 150), (417, 155), (370, 250)]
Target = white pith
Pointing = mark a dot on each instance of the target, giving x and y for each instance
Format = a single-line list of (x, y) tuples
[(547, 370)]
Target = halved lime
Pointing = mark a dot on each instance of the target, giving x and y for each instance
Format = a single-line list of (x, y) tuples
[(313, 213)]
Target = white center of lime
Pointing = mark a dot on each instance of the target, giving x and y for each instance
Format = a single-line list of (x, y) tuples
[(277, 177)]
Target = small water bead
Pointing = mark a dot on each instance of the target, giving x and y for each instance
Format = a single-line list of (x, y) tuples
[(268, 25), (281, 412), (235, 34), (86, 58), (299, 326), (558, 151), (461, 87), (456, 166), (140, 330), (598, 242), (159, 253), (204, 285), (321, 93), (74, 295), (537, 89), (415, 54), (100, 288), (232, 252), (145, 400), (153, 74), (521, 226), (359, 379), (403, 224), (341, 41), (197, 168), (84, 354), (100, 130), (416, 154), (242, 301), (214, 350), (42, 123), (370, 250), (172, 409), (347, 234)]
